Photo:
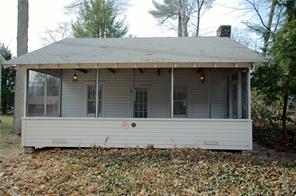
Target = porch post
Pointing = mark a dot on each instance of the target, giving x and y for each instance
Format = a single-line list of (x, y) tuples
[(249, 94), (172, 92), (239, 95), (25, 92), (97, 91), (61, 92), (45, 96)]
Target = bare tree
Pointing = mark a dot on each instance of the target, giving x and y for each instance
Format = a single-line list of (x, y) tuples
[(201, 7), (184, 11), (242, 36), (185, 16), (62, 31), (166, 11), (22, 48), (268, 21)]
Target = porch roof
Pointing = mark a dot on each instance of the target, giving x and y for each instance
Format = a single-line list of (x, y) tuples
[(80, 51)]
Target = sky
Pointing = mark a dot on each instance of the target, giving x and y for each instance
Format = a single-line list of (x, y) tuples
[(47, 14)]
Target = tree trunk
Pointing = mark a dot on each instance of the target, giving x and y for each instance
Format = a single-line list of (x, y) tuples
[(284, 115), (22, 48), (184, 18), (185, 27), (4, 99), (197, 22), (179, 20), (267, 34)]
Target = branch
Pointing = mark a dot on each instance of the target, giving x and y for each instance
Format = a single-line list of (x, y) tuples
[(278, 20), (166, 18), (258, 13)]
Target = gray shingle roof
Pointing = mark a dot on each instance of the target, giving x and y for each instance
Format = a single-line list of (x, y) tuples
[(140, 50)]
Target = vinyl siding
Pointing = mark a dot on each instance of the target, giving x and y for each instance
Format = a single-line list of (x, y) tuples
[(227, 134), (74, 93)]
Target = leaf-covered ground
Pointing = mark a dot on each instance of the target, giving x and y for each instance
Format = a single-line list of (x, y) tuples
[(145, 171)]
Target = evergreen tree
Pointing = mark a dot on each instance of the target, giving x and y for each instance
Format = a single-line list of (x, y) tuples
[(284, 54), (277, 83), (7, 82), (99, 18)]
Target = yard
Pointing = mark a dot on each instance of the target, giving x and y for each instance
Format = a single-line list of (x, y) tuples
[(9, 144), (140, 171)]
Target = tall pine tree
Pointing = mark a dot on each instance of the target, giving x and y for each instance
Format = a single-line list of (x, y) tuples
[(99, 18), (7, 81)]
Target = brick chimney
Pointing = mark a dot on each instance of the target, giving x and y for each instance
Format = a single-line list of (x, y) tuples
[(224, 31)]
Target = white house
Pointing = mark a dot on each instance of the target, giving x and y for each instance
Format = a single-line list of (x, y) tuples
[(134, 92)]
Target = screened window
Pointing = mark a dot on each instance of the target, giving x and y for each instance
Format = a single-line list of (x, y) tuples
[(141, 103), (43, 93), (180, 101)]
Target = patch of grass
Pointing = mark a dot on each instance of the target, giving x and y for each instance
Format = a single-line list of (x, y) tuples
[(145, 172), (7, 140)]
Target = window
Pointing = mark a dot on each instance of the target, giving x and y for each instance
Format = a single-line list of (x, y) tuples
[(91, 100), (180, 101), (141, 103), (43, 93)]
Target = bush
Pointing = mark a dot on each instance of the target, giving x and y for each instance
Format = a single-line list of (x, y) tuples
[(265, 116)]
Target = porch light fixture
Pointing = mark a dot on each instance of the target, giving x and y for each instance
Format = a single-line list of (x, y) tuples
[(75, 77), (202, 76)]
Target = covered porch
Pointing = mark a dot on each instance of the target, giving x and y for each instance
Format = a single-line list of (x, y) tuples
[(137, 105)]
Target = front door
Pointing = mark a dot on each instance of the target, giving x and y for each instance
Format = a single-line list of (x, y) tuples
[(141, 102)]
